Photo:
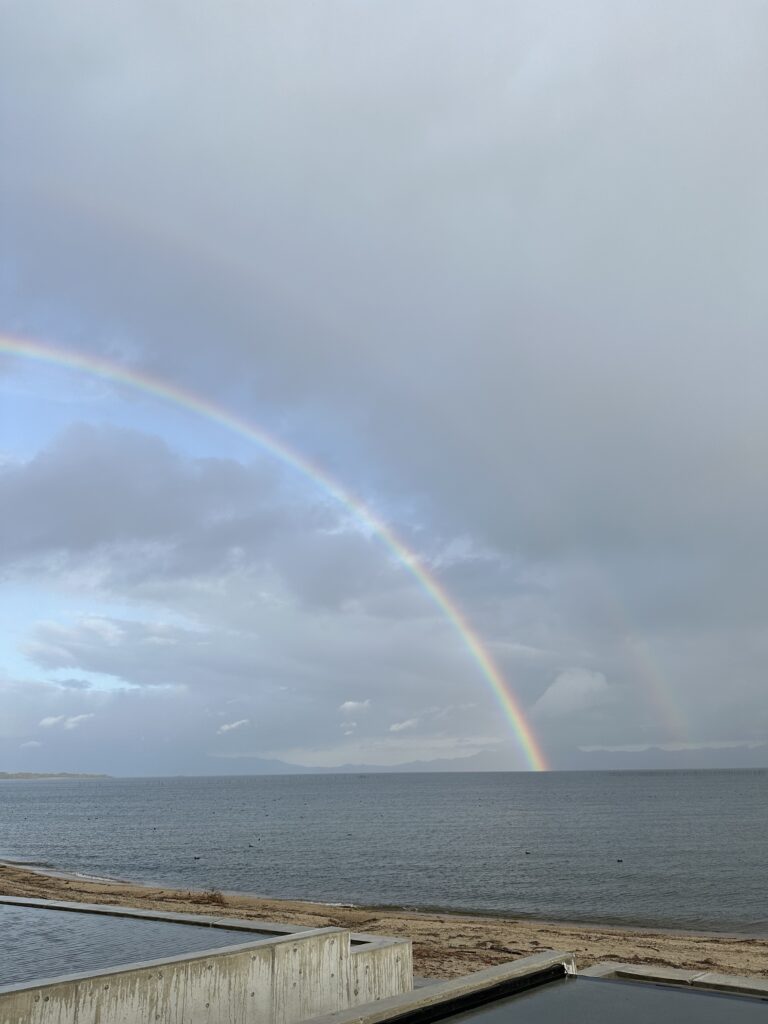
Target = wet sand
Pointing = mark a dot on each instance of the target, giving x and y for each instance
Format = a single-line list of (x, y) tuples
[(444, 945)]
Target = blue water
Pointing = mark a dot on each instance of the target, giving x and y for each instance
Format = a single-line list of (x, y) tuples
[(673, 849)]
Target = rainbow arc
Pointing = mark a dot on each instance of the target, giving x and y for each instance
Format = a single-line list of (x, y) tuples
[(104, 369)]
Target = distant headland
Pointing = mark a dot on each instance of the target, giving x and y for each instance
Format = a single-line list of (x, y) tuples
[(51, 775)]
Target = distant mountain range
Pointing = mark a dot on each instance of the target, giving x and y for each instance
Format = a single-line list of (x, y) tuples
[(261, 766), (650, 759)]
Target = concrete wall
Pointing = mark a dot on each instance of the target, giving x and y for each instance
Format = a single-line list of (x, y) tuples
[(445, 997), (273, 981), (379, 968), (253, 982)]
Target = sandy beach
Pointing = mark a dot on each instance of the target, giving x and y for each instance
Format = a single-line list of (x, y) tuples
[(444, 945)]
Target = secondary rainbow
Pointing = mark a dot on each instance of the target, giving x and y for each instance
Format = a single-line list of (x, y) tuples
[(108, 370)]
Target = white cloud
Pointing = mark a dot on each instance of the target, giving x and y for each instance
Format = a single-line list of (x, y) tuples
[(354, 705), (66, 721), (575, 690), (51, 720), (30, 744), (75, 720), (409, 723), (229, 726)]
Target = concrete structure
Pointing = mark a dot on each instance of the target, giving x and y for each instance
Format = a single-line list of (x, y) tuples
[(279, 974), (547, 989), (284, 975), (443, 999), (710, 981)]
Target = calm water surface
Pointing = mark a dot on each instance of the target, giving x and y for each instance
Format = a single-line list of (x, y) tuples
[(38, 944), (677, 849)]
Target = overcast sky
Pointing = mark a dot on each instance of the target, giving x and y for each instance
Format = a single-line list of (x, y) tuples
[(499, 267)]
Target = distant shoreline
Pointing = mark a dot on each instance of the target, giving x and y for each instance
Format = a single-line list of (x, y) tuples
[(35, 776), (445, 944)]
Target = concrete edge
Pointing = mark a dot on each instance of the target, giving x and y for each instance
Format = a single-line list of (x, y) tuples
[(712, 981), (736, 984), (159, 964), (245, 924), (116, 910), (432, 995), (642, 972), (362, 941)]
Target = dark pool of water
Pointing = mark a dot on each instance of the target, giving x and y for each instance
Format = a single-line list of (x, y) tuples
[(593, 1001)]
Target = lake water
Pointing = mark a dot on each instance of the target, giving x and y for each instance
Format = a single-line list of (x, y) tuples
[(673, 849)]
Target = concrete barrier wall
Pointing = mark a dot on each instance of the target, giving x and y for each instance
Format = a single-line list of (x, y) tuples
[(282, 980), (378, 969), (285, 978), (442, 998), (308, 975)]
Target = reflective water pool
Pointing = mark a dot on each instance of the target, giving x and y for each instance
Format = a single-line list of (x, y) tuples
[(595, 1001), (38, 943)]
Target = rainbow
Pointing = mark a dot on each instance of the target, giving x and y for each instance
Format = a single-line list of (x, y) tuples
[(658, 693), (119, 374)]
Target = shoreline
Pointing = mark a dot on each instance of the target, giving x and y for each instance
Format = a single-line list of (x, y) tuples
[(49, 871), (445, 944)]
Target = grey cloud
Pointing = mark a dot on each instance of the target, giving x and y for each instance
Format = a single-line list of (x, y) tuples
[(498, 267), (142, 515), (541, 223), (574, 691), (112, 486)]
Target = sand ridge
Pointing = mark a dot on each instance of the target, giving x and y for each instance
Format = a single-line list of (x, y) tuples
[(444, 945)]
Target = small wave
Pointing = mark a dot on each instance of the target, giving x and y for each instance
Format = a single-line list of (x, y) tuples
[(328, 903), (28, 863), (98, 878), (59, 872)]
